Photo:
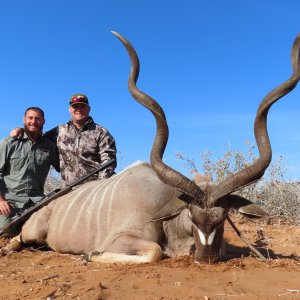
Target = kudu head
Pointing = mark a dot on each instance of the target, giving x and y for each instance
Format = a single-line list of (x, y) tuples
[(209, 203)]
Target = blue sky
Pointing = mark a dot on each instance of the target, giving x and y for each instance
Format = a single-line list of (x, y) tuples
[(208, 63)]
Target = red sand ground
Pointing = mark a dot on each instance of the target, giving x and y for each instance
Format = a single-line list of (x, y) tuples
[(42, 274)]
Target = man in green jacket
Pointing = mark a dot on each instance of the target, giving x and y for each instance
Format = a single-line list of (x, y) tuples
[(24, 166)]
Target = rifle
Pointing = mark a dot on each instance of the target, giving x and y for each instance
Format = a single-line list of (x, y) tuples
[(19, 219)]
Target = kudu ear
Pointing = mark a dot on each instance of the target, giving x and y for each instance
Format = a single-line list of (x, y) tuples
[(172, 209), (246, 207)]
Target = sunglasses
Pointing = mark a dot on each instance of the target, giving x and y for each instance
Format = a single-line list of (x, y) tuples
[(77, 99)]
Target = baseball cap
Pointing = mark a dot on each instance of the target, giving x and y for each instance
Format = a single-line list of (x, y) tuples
[(79, 99)]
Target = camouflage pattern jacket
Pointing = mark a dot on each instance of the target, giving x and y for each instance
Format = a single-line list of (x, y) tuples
[(83, 150)]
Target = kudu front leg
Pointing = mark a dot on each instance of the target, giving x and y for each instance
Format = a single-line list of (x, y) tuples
[(128, 249)]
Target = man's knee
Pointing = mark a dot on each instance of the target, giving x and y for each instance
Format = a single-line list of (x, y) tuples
[(3, 222), (12, 230)]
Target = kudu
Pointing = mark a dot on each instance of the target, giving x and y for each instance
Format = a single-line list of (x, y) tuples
[(148, 211)]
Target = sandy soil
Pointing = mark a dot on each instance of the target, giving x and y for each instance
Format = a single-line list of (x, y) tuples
[(43, 274)]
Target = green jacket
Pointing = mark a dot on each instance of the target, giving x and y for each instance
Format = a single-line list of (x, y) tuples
[(24, 167)]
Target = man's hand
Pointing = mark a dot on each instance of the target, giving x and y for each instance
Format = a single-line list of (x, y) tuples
[(5, 207), (17, 133)]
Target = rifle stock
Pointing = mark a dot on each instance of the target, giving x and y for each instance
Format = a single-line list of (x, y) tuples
[(19, 220)]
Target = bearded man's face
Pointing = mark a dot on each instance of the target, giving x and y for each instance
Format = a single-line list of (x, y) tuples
[(33, 122)]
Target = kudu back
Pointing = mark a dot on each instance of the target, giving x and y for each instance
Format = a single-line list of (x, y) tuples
[(149, 211)]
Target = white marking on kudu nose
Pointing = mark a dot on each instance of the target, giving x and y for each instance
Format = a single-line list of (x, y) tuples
[(202, 237), (210, 238)]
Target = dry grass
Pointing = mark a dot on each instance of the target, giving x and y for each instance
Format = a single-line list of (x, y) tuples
[(53, 181), (278, 195)]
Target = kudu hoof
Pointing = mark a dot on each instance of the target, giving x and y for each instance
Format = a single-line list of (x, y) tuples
[(14, 245)]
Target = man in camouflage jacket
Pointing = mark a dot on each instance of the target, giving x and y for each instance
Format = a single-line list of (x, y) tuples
[(83, 145)]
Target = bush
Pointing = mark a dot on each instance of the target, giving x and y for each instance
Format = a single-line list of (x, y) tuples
[(53, 181), (277, 195)]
